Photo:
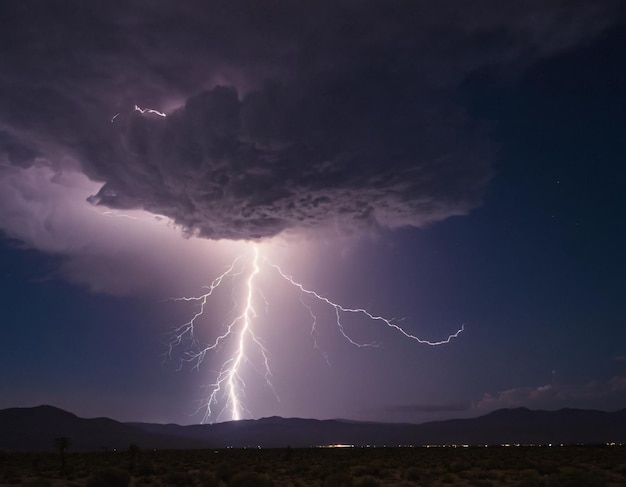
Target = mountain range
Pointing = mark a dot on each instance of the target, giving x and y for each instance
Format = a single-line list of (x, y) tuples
[(34, 429)]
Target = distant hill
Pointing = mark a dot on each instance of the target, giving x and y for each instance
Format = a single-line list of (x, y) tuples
[(34, 429), (511, 426)]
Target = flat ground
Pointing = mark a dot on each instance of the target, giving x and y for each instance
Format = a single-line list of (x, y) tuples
[(333, 467)]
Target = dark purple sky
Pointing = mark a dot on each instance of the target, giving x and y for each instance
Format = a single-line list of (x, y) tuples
[(444, 164)]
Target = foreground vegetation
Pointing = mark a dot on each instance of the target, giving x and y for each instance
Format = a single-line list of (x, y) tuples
[(336, 467)]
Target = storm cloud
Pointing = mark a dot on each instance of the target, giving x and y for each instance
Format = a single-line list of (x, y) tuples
[(280, 115), (279, 160)]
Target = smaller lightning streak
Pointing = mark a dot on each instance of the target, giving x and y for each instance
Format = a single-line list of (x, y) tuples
[(137, 108), (147, 110), (229, 386), (118, 215)]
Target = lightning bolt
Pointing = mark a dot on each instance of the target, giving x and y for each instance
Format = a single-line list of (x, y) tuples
[(228, 389), (137, 108), (146, 110)]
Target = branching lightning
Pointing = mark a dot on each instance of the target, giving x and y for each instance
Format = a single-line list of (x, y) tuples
[(227, 391), (341, 309)]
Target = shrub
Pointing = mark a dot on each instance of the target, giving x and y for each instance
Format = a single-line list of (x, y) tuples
[(531, 482), (207, 479), (146, 467), (448, 478), (373, 469), (577, 478), (459, 466), (110, 477), (179, 479), (366, 481), (338, 480), (413, 474), (39, 482), (225, 473), (251, 479)]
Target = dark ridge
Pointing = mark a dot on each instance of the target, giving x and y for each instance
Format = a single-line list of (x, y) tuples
[(34, 429)]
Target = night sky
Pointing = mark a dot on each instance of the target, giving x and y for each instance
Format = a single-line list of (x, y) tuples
[(441, 164)]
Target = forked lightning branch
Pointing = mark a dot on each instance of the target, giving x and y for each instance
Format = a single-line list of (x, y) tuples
[(227, 391)]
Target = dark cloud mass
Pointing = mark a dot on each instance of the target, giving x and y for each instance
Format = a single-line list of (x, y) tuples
[(226, 168), (280, 115)]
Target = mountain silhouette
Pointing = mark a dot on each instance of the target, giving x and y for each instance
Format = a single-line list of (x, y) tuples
[(34, 429)]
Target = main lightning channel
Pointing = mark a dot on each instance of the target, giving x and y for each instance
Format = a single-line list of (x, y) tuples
[(234, 378), (228, 389)]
